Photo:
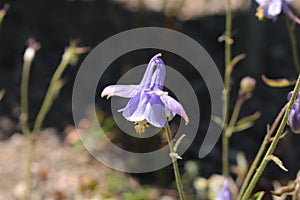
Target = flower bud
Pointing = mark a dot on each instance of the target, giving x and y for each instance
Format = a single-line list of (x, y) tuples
[(3, 12), (225, 193), (247, 85), (294, 117), (29, 53)]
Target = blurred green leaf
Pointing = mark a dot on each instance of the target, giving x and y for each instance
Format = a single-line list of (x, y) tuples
[(258, 195), (277, 161), (284, 190), (3, 12), (2, 93), (277, 82), (191, 168), (246, 122), (217, 120), (235, 61), (242, 127), (241, 161), (250, 118)]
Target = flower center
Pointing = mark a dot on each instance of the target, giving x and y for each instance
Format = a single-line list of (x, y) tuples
[(140, 126)]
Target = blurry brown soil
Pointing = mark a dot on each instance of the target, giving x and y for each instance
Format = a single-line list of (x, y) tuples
[(60, 171)]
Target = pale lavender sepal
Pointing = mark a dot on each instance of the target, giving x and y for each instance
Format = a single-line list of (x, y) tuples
[(155, 112), (149, 71), (262, 1), (275, 8), (126, 91), (135, 108), (174, 106)]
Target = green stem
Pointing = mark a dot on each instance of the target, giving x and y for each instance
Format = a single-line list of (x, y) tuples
[(25, 126), (260, 152), (24, 97), (273, 145), (53, 88), (228, 42), (175, 164), (291, 30), (235, 114), (48, 100)]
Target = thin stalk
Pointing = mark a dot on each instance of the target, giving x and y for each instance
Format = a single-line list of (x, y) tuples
[(273, 145), (235, 114), (24, 96), (175, 164), (228, 42), (47, 103), (25, 127), (260, 152), (291, 30), (48, 100)]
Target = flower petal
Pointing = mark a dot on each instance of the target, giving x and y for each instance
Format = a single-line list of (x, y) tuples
[(275, 8), (262, 2), (135, 109), (294, 118), (174, 106), (224, 194), (289, 96), (288, 1), (126, 91), (155, 111), (149, 71), (158, 77)]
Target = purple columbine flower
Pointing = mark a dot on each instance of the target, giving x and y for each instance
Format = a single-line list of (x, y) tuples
[(224, 194), (294, 117), (272, 8), (148, 102)]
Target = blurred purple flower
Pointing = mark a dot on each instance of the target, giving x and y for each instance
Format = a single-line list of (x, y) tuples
[(148, 102), (272, 8), (294, 117), (224, 194)]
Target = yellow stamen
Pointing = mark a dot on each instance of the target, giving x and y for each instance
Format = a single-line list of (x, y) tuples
[(260, 13), (160, 93), (140, 126)]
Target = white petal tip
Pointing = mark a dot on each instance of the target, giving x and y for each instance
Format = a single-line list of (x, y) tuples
[(186, 119), (103, 95), (106, 93)]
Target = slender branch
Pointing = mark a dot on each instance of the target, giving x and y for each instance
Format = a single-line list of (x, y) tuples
[(68, 58), (235, 114), (291, 30), (274, 143), (29, 53), (24, 96), (228, 42), (50, 95), (175, 164), (261, 151)]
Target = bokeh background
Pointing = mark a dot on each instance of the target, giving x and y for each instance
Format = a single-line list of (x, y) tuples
[(54, 23)]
